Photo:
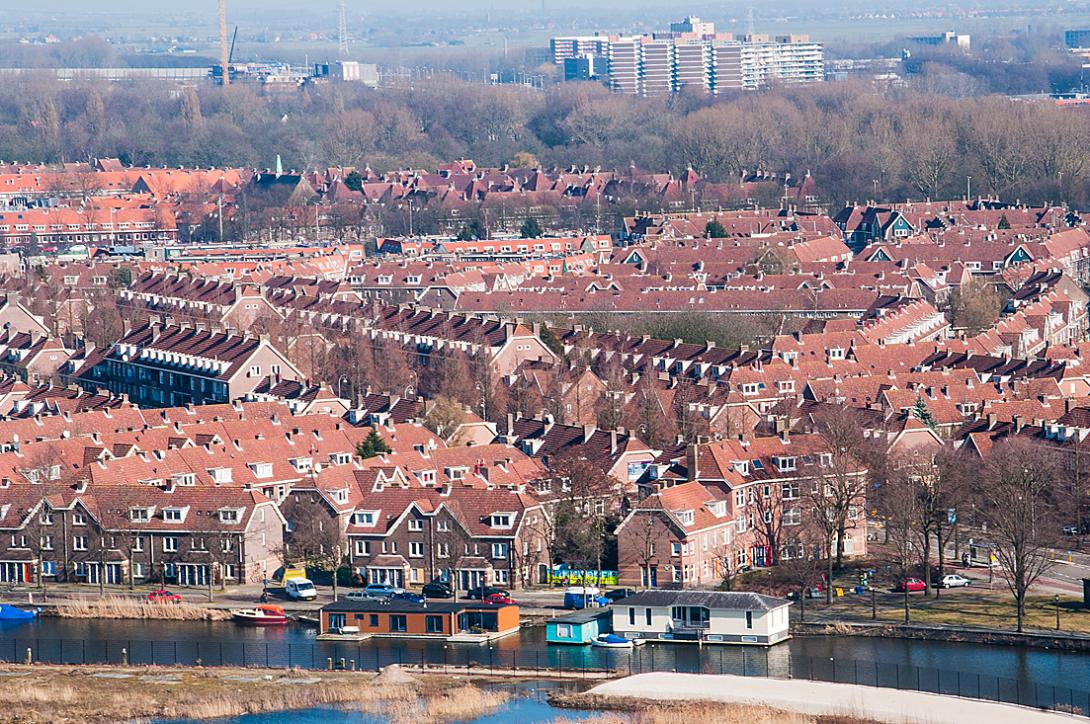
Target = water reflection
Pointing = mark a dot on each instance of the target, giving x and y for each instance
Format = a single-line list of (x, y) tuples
[(210, 641)]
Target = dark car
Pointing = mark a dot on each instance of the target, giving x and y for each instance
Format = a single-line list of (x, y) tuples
[(618, 593), (479, 593), (407, 596), (437, 589)]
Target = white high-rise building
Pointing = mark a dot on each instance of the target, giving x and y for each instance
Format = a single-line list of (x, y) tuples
[(694, 56)]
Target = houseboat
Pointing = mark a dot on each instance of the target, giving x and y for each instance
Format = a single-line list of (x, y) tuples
[(580, 627), (462, 621), (707, 617)]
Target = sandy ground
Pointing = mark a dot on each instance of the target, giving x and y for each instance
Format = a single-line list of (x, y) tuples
[(820, 698)]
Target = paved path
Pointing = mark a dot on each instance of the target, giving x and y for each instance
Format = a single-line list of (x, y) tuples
[(821, 698)]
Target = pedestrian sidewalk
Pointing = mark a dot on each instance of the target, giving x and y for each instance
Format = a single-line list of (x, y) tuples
[(824, 699)]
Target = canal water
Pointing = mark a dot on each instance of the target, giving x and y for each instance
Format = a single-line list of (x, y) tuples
[(70, 640)]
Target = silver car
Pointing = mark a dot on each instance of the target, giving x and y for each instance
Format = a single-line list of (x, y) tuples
[(953, 580)]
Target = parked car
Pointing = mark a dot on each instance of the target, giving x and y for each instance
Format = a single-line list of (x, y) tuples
[(479, 593), (162, 595), (357, 595), (912, 584), (437, 589), (618, 593), (379, 591), (407, 596), (953, 580), (499, 599)]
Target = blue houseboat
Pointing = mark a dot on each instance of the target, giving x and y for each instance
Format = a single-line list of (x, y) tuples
[(579, 627)]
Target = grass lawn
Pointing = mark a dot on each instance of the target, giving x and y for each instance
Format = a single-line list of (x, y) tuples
[(963, 607)]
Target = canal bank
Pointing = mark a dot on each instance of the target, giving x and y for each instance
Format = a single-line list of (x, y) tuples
[(924, 663), (1057, 640)]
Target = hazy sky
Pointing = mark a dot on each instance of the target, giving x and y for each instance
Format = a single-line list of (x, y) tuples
[(47, 7)]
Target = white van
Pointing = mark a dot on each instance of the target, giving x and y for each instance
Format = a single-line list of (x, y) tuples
[(301, 589)]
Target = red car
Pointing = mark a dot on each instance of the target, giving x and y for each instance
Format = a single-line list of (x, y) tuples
[(162, 595), (912, 584), (498, 599)]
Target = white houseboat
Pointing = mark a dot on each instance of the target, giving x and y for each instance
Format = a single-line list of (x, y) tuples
[(712, 617)]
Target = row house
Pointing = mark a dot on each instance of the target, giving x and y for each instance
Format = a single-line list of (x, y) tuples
[(90, 225), (619, 454), (507, 344), (681, 536), (465, 536), (136, 534), (767, 483), (169, 366), (32, 357)]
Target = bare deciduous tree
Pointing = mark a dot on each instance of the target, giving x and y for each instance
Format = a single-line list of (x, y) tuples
[(1020, 506)]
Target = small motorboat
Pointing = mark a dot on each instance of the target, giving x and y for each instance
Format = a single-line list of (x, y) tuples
[(11, 613), (263, 615), (611, 641)]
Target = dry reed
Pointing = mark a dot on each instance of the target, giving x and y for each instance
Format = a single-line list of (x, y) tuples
[(118, 607), (76, 694), (461, 704)]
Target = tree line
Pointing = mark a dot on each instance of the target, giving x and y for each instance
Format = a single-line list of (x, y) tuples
[(858, 143)]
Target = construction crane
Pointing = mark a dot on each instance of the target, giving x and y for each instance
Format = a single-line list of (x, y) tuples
[(225, 51)]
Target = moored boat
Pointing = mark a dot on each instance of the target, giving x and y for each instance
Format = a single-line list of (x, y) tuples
[(264, 615), (11, 613), (611, 641)]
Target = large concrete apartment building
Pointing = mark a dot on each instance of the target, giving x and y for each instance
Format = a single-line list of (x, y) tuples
[(693, 55)]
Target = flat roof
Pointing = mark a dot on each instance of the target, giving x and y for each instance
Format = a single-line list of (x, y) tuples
[(737, 600), (399, 606), (585, 615)]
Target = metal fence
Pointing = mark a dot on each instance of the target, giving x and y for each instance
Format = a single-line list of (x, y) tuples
[(505, 657)]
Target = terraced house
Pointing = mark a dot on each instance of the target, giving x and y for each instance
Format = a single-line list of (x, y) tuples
[(465, 536), (165, 366), (173, 532)]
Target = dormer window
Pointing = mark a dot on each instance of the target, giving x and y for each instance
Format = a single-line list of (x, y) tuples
[(262, 470), (339, 496), (685, 516), (836, 353), (341, 458), (786, 463), (302, 465), (365, 517), (174, 515), (750, 388), (500, 520), (426, 477), (787, 385), (140, 515), (718, 508), (741, 467), (458, 473), (229, 515), (825, 460), (220, 475), (184, 479)]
